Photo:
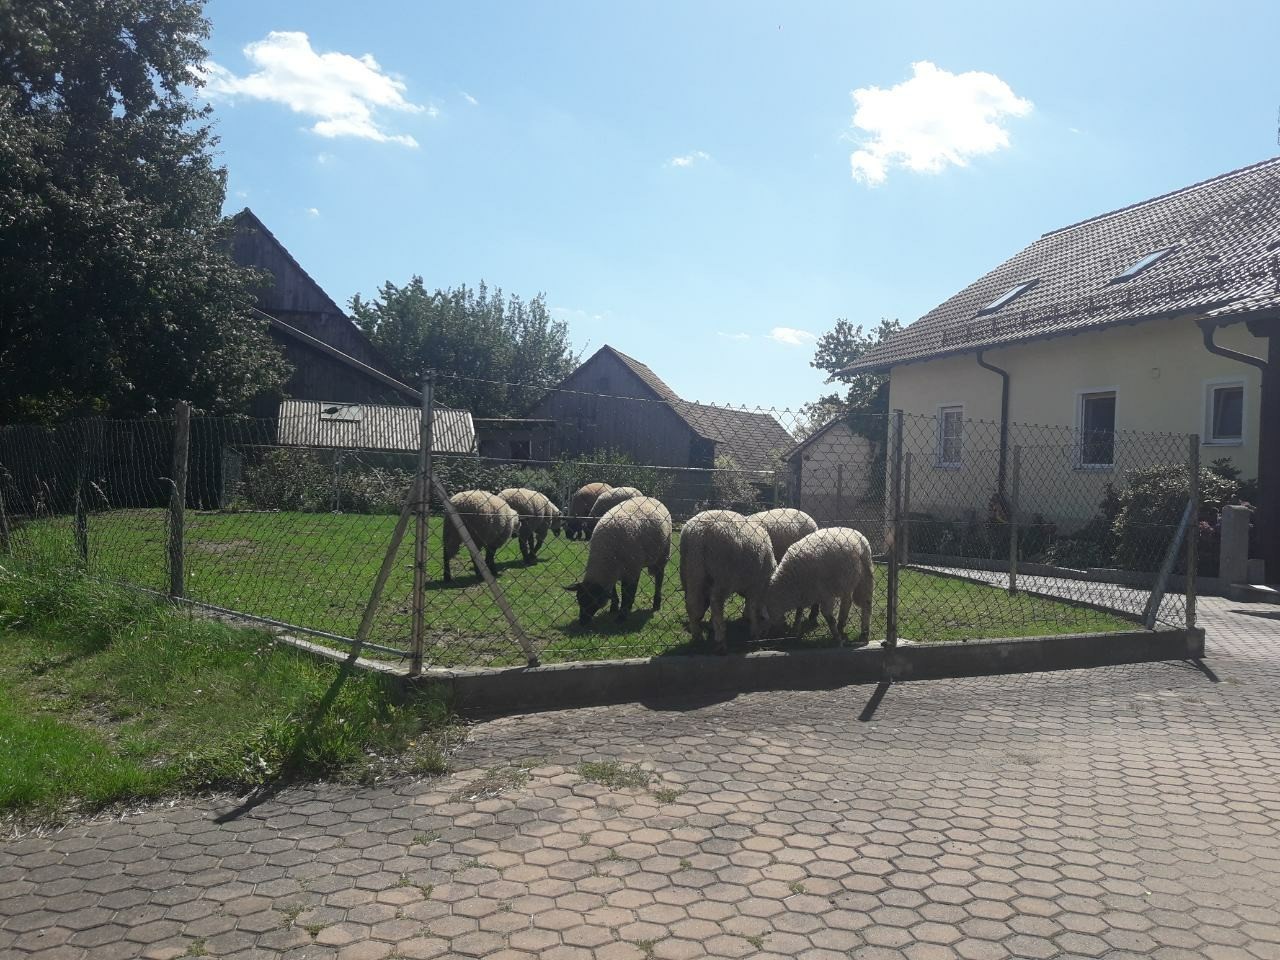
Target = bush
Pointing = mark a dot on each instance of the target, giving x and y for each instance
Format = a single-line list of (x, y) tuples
[(1150, 508), (286, 479)]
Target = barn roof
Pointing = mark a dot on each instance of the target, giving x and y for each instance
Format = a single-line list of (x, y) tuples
[(1209, 249), (752, 438)]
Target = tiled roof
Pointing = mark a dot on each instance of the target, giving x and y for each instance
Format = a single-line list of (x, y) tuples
[(752, 439), (1226, 232)]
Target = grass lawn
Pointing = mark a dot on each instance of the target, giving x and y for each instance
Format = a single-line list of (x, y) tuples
[(315, 570), (106, 696)]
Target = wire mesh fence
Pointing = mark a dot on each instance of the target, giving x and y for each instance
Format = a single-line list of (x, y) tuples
[(605, 526)]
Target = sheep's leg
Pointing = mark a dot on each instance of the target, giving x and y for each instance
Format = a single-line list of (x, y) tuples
[(628, 597), (658, 571), (813, 616), (490, 560), (718, 598), (845, 603), (864, 606), (829, 614), (756, 618), (526, 546), (695, 608), (797, 629), (613, 599), (537, 543), (448, 574)]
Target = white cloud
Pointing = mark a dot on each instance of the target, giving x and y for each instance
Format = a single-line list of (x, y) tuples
[(689, 159), (470, 99), (312, 211), (734, 336), (931, 121), (791, 336), (343, 93)]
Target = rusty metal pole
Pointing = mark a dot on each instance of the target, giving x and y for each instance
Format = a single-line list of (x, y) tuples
[(904, 553), (1193, 529), (1015, 467), (421, 523), (895, 494)]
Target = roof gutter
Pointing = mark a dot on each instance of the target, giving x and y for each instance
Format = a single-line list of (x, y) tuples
[(1004, 428)]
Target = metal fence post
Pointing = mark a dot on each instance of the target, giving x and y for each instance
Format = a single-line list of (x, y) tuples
[(80, 516), (178, 500), (421, 524), (904, 554), (895, 487), (6, 545), (1015, 469), (1193, 530)]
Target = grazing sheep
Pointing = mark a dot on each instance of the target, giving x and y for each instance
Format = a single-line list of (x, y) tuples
[(580, 504), (606, 502), (487, 518), (557, 518), (634, 536), (786, 525), (723, 553), (535, 518), (823, 567)]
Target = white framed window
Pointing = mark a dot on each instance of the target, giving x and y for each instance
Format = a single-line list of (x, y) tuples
[(1096, 429), (1224, 412), (950, 435)]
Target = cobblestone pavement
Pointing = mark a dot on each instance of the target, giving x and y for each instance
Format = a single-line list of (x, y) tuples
[(1121, 812)]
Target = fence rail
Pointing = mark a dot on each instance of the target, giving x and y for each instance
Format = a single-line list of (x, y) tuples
[(973, 531)]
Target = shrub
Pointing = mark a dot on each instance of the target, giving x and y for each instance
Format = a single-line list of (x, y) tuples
[(286, 479), (1150, 508)]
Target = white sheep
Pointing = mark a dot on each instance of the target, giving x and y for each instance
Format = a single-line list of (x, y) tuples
[(580, 504), (723, 553), (786, 525), (822, 568), (633, 536), (489, 520), (606, 502), (536, 518)]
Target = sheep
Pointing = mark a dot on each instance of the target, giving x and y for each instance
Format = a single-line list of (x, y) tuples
[(489, 520), (786, 525), (580, 504), (557, 518), (723, 553), (535, 518), (823, 567), (606, 502), (635, 535)]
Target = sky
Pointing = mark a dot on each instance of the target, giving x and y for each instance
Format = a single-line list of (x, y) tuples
[(708, 186)]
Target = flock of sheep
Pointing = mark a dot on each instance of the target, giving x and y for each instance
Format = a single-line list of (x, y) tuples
[(778, 560)]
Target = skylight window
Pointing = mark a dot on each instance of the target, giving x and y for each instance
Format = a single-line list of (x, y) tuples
[(1016, 290), (1150, 259)]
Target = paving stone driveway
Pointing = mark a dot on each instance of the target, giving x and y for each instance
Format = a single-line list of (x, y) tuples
[(1121, 812)]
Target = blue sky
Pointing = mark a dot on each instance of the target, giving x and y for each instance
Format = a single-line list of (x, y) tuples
[(686, 181)]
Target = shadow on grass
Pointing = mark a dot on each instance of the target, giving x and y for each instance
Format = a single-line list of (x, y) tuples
[(291, 768)]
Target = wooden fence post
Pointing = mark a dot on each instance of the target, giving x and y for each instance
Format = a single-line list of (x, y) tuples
[(426, 424), (384, 572), (178, 500), (1014, 471)]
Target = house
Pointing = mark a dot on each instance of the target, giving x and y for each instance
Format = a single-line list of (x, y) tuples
[(837, 476), (613, 402), (1162, 316), (516, 438)]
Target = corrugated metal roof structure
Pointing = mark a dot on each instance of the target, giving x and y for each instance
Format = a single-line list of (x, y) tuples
[(1223, 237), (368, 426)]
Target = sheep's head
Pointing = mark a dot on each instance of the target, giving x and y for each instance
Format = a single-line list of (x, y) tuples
[(591, 597)]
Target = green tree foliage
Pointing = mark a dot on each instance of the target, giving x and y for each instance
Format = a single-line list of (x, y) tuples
[(492, 351), (865, 400), (116, 293)]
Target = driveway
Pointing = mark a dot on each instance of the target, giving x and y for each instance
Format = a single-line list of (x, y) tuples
[(1121, 812)]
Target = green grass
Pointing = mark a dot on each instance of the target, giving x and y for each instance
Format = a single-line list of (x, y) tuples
[(315, 570), (106, 696), (614, 774)]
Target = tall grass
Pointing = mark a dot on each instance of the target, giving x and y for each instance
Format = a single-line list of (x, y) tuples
[(106, 696)]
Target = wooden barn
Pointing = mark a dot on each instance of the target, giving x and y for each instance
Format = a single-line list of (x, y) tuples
[(614, 402)]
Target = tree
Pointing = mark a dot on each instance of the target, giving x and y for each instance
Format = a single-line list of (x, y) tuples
[(866, 400), (116, 291), (494, 354)]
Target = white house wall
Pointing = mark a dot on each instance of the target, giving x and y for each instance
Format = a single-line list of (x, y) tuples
[(1158, 369)]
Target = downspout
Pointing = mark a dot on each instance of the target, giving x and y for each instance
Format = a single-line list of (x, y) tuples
[(1208, 329), (1004, 430)]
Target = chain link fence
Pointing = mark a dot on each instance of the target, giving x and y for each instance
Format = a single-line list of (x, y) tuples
[(555, 537)]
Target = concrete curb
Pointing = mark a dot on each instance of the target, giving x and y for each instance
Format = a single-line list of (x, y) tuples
[(503, 691)]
